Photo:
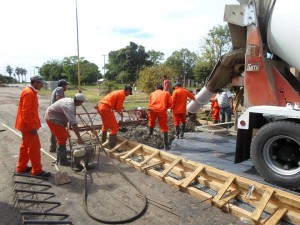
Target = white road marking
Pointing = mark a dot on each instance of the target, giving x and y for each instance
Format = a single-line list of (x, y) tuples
[(18, 134)]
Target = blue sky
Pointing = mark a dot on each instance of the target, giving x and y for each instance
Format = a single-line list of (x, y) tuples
[(34, 31)]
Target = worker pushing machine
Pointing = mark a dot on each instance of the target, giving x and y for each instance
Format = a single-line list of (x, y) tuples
[(159, 102), (179, 98), (57, 116), (28, 123), (112, 101), (57, 94)]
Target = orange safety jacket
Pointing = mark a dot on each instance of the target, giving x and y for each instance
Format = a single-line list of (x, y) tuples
[(114, 100), (179, 98), (27, 115), (159, 101)]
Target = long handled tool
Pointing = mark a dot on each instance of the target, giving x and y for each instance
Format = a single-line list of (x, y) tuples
[(208, 117)]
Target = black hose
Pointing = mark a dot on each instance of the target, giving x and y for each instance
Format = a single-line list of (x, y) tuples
[(85, 192)]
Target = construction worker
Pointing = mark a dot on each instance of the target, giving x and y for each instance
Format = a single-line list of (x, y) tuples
[(166, 84), (57, 94), (159, 102), (57, 116), (28, 123), (215, 109), (179, 98), (106, 107), (225, 101)]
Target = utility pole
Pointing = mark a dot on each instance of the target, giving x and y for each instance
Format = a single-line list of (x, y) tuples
[(78, 59), (104, 67)]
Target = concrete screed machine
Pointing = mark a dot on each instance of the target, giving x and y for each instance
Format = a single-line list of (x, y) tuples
[(264, 63)]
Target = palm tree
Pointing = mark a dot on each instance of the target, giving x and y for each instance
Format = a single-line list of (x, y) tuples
[(9, 70), (18, 71), (23, 73)]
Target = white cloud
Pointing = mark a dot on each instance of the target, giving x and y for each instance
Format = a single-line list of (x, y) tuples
[(34, 31)]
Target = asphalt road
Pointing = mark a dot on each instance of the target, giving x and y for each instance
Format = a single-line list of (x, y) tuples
[(108, 191)]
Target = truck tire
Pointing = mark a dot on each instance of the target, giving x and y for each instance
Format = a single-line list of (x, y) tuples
[(276, 153)]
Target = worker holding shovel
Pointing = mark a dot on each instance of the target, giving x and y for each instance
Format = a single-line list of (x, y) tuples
[(159, 102), (179, 98), (112, 101)]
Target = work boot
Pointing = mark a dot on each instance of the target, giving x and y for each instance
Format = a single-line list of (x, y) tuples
[(151, 129), (112, 140), (53, 143), (103, 136), (166, 142), (177, 131), (182, 130), (62, 156)]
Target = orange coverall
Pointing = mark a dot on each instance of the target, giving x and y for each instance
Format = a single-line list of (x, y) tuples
[(112, 101), (159, 102), (59, 132), (179, 98), (28, 120), (215, 109)]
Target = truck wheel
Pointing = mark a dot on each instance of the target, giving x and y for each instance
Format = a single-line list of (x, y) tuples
[(276, 153)]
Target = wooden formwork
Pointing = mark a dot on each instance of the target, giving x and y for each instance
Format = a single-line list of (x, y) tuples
[(256, 202)]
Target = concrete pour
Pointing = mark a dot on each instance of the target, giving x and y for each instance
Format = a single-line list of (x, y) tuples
[(107, 189)]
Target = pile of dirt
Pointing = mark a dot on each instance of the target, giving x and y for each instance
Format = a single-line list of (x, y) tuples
[(140, 133)]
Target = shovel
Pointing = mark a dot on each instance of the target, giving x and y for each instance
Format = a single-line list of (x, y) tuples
[(61, 178), (208, 117)]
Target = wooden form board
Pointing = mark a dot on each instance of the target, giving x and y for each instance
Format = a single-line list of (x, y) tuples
[(183, 174)]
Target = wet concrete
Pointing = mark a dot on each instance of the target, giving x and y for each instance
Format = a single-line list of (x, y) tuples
[(217, 150)]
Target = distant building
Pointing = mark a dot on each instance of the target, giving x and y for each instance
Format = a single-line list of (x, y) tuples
[(101, 81)]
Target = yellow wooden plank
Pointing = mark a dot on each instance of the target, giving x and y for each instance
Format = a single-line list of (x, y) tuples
[(131, 152), (118, 146), (167, 170), (149, 158), (224, 188), (226, 199), (180, 182), (147, 167), (276, 216), (190, 178), (262, 204)]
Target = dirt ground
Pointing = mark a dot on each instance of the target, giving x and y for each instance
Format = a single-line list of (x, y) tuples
[(108, 192)]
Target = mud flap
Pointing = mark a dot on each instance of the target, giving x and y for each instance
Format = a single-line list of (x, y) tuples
[(242, 149)]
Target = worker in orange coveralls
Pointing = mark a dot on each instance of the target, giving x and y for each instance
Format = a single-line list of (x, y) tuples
[(179, 98), (159, 102), (215, 109), (112, 101), (28, 123)]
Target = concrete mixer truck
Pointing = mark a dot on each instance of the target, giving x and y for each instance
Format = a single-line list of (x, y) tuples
[(265, 61)]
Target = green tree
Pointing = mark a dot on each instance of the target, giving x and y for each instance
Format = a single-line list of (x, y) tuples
[(201, 70), (217, 43), (23, 73), (107, 87), (70, 69), (130, 59), (18, 71), (150, 76), (9, 70), (52, 70), (155, 57), (89, 72), (183, 63)]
